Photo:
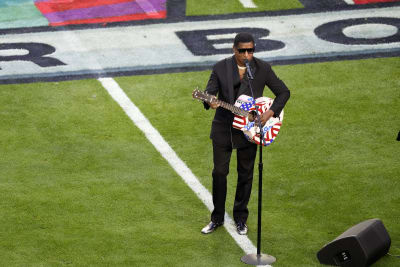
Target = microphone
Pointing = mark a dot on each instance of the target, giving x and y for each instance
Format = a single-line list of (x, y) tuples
[(248, 69)]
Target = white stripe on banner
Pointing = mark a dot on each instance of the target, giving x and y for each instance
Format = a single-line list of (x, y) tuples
[(350, 2), (172, 158), (248, 3), (146, 6)]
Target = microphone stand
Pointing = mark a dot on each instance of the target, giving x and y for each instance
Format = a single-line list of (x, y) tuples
[(259, 258)]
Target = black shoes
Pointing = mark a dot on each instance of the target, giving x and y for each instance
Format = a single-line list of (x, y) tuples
[(209, 228), (241, 228)]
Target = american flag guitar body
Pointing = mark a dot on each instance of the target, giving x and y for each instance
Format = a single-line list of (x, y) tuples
[(245, 110)]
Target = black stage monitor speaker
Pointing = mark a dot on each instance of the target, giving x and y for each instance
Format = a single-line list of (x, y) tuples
[(361, 245)]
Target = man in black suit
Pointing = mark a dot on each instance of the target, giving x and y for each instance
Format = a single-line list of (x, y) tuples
[(228, 81)]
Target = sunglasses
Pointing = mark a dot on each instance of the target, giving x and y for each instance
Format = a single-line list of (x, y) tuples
[(243, 50)]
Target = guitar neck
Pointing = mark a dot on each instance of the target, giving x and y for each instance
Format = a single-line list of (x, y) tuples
[(232, 108), (197, 94)]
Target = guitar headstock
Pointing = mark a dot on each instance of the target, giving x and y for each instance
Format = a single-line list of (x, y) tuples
[(200, 95)]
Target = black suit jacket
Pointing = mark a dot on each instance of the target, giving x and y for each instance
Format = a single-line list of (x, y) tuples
[(224, 75)]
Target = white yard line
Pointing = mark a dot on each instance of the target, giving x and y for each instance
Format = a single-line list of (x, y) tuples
[(172, 158), (248, 3)]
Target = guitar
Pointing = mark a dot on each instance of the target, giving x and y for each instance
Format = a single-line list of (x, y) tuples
[(244, 110)]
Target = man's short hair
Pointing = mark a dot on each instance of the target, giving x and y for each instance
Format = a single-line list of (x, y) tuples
[(243, 37)]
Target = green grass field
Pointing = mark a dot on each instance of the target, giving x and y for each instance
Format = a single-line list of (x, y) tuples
[(210, 7), (81, 185)]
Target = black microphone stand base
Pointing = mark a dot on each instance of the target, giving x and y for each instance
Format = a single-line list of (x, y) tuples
[(258, 259)]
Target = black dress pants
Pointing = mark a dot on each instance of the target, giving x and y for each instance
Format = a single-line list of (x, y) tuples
[(245, 167)]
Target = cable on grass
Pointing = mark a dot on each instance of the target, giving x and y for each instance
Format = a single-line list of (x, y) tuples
[(397, 256)]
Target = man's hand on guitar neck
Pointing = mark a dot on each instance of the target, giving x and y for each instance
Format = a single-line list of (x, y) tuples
[(214, 103)]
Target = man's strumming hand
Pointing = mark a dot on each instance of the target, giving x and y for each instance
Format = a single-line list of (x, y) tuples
[(266, 116)]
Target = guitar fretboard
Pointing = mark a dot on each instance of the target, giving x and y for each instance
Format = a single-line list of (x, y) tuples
[(209, 98), (235, 110)]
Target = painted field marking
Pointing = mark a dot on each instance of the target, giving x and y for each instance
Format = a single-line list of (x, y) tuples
[(248, 3), (172, 158), (147, 6), (294, 38)]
